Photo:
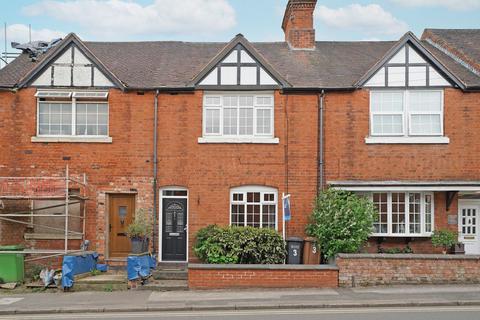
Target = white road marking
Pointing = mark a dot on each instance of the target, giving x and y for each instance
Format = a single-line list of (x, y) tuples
[(7, 301), (222, 314)]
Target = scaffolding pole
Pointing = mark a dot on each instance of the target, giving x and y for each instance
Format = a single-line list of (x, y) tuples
[(28, 195)]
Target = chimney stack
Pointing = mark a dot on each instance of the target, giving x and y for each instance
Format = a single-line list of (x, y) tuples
[(298, 24)]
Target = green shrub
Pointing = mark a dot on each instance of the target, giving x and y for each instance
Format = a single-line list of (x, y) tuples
[(407, 249), (444, 238), (341, 221), (239, 245)]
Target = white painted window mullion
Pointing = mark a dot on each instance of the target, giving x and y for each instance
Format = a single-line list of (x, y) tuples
[(74, 116)]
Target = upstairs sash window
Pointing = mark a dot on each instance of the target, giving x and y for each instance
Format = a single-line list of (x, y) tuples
[(407, 113)]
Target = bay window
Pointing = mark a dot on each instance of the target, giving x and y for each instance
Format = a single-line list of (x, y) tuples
[(403, 213), (253, 206), (238, 118), (83, 114)]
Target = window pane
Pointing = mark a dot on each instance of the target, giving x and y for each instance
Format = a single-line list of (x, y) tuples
[(246, 121), (246, 101), (263, 121), (387, 124), (212, 119), (414, 212), (230, 121), (425, 101), (387, 101), (398, 213), (427, 124), (428, 213), (55, 118), (380, 203), (92, 119)]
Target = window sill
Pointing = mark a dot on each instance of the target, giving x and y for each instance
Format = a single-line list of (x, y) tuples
[(73, 139), (407, 140), (401, 235), (253, 140)]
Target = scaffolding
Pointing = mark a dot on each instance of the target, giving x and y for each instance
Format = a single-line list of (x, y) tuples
[(46, 188)]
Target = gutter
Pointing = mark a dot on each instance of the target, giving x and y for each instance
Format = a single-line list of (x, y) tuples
[(321, 98), (155, 170), (316, 90)]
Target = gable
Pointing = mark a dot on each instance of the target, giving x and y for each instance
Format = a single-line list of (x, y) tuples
[(408, 67), (72, 68), (238, 68)]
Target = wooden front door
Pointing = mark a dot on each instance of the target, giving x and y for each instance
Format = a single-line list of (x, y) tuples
[(122, 212)]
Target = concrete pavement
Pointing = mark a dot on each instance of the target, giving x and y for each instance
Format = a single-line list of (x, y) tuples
[(140, 301)]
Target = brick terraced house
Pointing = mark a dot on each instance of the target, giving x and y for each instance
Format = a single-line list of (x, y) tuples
[(215, 133)]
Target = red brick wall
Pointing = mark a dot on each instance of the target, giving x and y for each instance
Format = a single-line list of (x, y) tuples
[(261, 278), (209, 171), (347, 157), (371, 270)]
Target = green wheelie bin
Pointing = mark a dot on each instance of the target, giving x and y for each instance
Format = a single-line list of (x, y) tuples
[(11, 264)]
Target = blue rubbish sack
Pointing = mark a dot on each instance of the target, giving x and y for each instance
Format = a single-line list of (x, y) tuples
[(77, 264), (102, 267), (138, 267)]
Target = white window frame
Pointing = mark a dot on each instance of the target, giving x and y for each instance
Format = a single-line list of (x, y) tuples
[(256, 137), (260, 189), (73, 101), (372, 114), (407, 233), (440, 113), (407, 136)]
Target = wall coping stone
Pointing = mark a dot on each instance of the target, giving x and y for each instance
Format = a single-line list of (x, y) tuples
[(408, 256), (261, 266)]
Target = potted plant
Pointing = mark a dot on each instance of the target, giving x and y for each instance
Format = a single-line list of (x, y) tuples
[(445, 239), (139, 231)]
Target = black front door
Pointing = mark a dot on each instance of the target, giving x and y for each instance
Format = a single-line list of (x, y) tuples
[(174, 230)]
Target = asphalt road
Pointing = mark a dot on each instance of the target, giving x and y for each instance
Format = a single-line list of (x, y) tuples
[(423, 313)]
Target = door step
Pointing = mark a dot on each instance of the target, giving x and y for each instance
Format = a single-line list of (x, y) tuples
[(165, 285), (162, 274), (110, 281), (172, 266)]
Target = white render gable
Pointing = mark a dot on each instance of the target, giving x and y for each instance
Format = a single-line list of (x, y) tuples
[(72, 69), (407, 68), (238, 68)]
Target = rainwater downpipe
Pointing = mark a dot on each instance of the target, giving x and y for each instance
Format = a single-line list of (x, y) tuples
[(321, 100), (155, 161)]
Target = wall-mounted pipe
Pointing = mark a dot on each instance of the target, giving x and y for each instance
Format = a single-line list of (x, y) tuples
[(155, 162), (321, 99)]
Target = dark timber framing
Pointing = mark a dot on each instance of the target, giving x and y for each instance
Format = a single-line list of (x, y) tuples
[(239, 43), (71, 40), (410, 40)]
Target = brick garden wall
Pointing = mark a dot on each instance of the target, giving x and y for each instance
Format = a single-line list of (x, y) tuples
[(261, 276), (398, 269)]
